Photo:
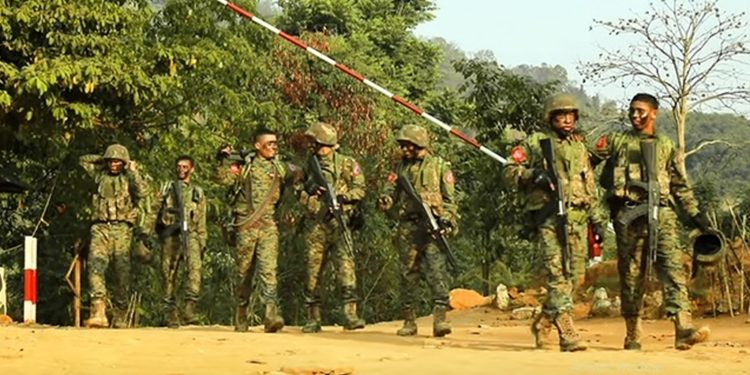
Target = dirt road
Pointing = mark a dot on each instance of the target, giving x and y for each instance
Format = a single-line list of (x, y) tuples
[(482, 343)]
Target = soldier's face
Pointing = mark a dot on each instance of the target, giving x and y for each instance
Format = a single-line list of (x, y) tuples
[(185, 169), (642, 115), (267, 146), (320, 149), (408, 150), (115, 166), (564, 121)]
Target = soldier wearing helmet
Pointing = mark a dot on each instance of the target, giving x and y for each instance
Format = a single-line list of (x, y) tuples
[(118, 205), (527, 171), (322, 233), (434, 181), (624, 165)]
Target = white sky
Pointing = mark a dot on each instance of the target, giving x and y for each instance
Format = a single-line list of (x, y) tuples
[(533, 32)]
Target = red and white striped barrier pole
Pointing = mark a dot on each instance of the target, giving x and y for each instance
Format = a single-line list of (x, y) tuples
[(29, 279), (356, 75)]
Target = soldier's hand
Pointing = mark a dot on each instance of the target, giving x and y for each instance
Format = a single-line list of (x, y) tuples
[(224, 151), (133, 166), (385, 202), (599, 233), (540, 177)]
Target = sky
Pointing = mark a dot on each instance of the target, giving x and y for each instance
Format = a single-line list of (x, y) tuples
[(533, 32)]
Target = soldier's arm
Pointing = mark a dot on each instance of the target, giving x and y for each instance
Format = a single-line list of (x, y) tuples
[(201, 229), (602, 149), (680, 188), (357, 185), (91, 163), (518, 171), (448, 191), (227, 172)]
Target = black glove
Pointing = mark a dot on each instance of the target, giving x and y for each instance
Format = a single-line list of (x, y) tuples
[(701, 222), (599, 233), (222, 152), (341, 199), (540, 177), (313, 188)]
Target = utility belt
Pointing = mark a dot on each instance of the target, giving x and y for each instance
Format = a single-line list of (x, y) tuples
[(626, 211)]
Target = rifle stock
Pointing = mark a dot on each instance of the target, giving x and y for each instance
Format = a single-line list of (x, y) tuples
[(548, 151), (433, 227), (333, 204)]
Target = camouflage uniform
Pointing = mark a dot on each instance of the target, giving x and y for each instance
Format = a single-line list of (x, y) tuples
[(420, 255), (323, 233), (256, 187), (573, 165), (115, 212), (623, 155), (194, 211)]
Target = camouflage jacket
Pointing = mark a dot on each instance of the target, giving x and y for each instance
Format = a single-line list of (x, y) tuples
[(194, 208), (435, 183), (344, 174), (121, 197), (573, 163), (252, 181), (623, 163)]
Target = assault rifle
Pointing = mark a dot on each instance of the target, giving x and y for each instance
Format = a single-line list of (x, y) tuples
[(558, 204), (332, 203), (433, 227), (650, 209), (182, 221)]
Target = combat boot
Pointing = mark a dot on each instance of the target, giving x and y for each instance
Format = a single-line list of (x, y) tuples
[(119, 318), (313, 320), (685, 335), (352, 320), (171, 318), (189, 315), (440, 326), (273, 321), (240, 318), (410, 323), (569, 339), (98, 314), (633, 331), (540, 328)]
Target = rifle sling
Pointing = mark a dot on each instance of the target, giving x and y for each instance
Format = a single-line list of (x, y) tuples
[(252, 220)]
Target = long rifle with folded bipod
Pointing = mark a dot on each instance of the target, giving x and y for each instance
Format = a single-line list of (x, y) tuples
[(650, 208), (332, 204), (558, 204), (433, 227), (182, 221)]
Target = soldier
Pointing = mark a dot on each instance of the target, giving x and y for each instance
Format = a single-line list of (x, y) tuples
[(181, 225), (624, 164), (256, 179), (528, 170), (120, 188), (323, 232), (434, 182)]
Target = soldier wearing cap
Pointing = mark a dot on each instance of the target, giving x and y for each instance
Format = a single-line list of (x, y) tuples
[(120, 189), (421, 257), (322, 232)]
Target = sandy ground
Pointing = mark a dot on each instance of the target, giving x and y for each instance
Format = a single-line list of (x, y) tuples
[(482, 343)]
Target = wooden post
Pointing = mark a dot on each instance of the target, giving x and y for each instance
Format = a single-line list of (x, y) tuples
[(77, 286)]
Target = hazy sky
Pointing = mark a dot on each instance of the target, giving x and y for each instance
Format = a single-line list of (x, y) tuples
[(540, 31)]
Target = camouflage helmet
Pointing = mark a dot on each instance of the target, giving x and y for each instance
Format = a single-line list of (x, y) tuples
[(560, 102), (323, 133), (414, 134), (117, 151)]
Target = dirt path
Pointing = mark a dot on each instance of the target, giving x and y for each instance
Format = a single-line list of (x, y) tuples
[(482, 343)]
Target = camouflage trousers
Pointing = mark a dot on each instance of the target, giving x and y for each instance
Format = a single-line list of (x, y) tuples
[(632, 243), (257, 252), (560, 289), (110, 242), (421, 258), (323, 243), (173, 255)]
